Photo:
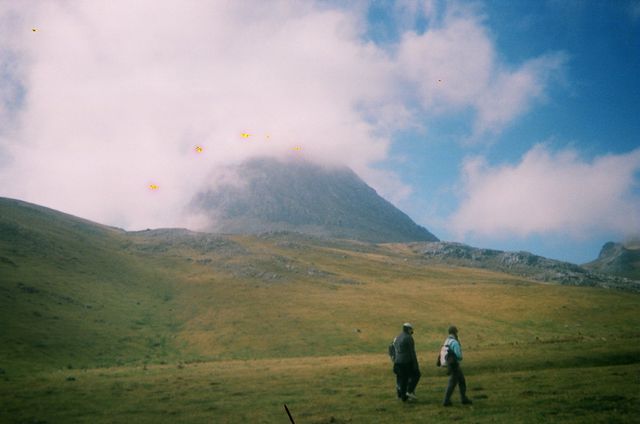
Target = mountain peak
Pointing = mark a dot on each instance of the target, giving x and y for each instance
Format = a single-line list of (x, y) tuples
[(263, 194), (618, 259)]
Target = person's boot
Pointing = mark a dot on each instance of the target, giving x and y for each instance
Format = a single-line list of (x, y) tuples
[(466, 401)]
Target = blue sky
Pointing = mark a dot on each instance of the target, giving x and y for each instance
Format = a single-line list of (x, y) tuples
[(502, 124), (592, 108)]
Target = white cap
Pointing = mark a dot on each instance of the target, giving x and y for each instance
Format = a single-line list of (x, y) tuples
[(407, 324)]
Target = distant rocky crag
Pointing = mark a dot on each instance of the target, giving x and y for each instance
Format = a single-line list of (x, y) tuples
[(523, 264), (622, 260)]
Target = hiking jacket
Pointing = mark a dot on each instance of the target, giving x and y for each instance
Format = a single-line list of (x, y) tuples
[(405, 350), (455, 346)]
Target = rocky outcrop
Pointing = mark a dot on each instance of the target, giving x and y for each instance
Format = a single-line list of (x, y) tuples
[(523, 264), (617, 259)]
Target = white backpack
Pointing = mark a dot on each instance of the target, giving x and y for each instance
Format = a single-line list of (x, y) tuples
[(447, 355)]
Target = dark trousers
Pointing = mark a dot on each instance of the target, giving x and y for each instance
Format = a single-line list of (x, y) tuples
[(456, 378), (407, 377)]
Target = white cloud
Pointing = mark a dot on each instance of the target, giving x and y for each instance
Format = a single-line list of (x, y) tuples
[(509, 94), (117, 94), (407, 13), (456, 67), (550, 193)]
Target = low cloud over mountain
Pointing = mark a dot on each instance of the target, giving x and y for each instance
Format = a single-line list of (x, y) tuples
[(266, 194)]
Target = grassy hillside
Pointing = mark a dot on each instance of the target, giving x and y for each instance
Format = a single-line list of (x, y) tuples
[(71, 295), (100, 325)]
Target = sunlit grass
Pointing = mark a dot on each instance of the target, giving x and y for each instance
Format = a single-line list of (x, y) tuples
[(355, 388), (100, 326)]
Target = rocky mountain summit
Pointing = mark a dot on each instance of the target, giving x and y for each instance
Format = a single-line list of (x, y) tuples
[(622, 260), (520, 263), (266, 195)]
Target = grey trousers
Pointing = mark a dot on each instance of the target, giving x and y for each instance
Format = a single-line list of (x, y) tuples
[(456, 378)]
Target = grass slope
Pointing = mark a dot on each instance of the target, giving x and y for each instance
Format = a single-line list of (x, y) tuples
[(100, 325), (71, 295)]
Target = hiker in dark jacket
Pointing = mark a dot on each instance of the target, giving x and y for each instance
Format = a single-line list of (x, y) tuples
[(456, 377), (405, 364)]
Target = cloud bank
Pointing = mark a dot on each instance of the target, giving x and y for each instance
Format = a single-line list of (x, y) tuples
[(551, 193), (109, 97), (455, 67)]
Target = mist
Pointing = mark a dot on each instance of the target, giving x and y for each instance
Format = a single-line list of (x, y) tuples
[(121, 112)]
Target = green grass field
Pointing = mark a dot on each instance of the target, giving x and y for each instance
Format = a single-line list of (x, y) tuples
[(102, 326), (355, 388)]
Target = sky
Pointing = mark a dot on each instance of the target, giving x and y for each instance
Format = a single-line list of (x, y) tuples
[(512, 125)]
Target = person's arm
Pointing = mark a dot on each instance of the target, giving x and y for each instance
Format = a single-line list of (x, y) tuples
[(414, 357), (457, 349)]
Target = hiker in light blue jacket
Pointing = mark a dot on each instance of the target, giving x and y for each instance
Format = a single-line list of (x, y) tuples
[(456, 377)]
